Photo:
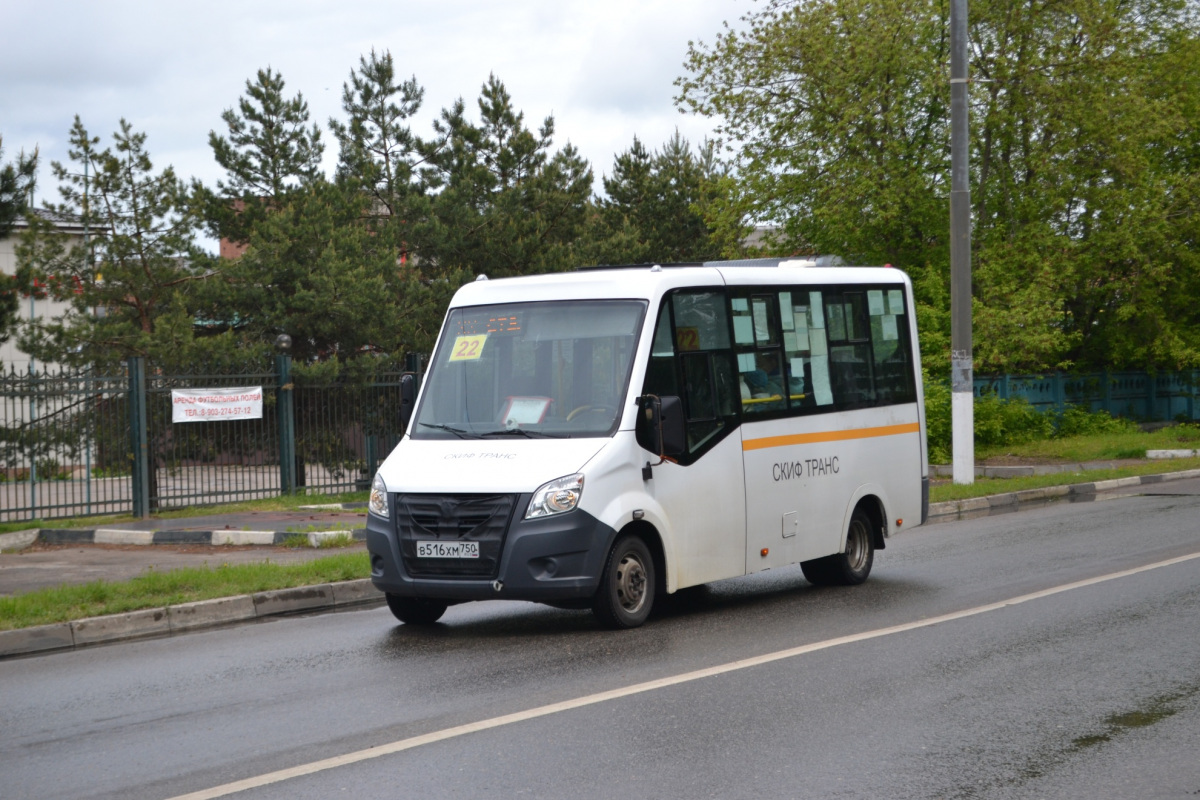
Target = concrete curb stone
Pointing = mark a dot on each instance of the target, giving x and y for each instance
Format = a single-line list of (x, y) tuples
[(209, 613), (18, 540), (283, 601), (131, 625), (21, 641), (351, 592)]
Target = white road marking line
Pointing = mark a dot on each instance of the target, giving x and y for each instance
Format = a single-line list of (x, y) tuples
[(649, 686)]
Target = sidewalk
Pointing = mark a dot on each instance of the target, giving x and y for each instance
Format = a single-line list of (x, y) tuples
[(53, 556), (82, 555), (48, 557)]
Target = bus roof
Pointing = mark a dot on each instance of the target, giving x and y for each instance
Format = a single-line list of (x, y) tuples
[(651, 281)]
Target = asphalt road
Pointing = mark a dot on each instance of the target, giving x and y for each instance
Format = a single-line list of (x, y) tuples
[(1053, 652)]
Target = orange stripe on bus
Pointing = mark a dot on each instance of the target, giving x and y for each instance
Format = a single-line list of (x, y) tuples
[(830, 436)]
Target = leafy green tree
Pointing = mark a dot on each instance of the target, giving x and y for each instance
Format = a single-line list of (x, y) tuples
[(654, 205), (16, 183), (501, 202), (131, 288), (1084, 162), (268, 152)]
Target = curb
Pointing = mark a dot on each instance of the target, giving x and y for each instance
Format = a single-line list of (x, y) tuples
[(187, 617), (21, 539), (957, 509)]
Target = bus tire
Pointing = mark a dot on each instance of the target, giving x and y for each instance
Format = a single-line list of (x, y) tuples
[(626, 592), (416, 610), (851, 567)]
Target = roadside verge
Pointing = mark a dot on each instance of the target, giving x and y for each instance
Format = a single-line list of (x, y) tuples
[(187, 617), (960, 509)]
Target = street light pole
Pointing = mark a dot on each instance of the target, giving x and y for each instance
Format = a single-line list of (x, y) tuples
[(962, 379)]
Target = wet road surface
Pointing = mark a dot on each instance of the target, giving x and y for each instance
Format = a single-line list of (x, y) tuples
[(1090, 691)]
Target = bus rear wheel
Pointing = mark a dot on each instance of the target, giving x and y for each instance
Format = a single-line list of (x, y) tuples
[(851, 567), (626, 592), (416, 610)]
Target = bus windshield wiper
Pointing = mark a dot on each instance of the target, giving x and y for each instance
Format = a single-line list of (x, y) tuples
[(523, 432), (459, 432)]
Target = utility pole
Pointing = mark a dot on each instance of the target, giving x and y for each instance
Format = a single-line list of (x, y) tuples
[(962, 377)]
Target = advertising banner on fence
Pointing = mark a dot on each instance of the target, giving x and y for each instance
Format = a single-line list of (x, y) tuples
[(208, 405)]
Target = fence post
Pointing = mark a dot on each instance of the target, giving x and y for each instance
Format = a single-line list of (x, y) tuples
[(1151, 397), (33, 477), (286, 417), (138, 437), (1060, 394), (1191, 396)]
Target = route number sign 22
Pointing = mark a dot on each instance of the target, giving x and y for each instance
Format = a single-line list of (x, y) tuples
[(468, 348)]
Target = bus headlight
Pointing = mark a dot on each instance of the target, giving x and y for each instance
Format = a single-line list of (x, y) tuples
[(556, 497), (377, 502)]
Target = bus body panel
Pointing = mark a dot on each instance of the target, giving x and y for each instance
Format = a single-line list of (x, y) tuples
[(706, 504), (485, 465), (799, 484)]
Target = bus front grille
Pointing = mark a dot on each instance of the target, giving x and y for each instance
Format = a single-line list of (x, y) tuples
[(453, 518)]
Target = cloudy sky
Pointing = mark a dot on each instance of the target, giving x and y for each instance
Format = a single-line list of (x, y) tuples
[(603, 68)]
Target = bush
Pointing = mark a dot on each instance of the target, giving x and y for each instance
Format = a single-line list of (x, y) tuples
[(937, 420), (1077, 421), (1004, 423), (1000, 423)]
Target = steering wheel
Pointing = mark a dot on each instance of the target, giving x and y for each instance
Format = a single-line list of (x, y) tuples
[(590, 409)]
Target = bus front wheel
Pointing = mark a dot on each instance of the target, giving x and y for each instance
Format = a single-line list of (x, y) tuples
[(851, 567), (626, 592), (416, 610)]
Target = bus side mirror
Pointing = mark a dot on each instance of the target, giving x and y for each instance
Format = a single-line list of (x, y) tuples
[(408, 397), (660, 426)]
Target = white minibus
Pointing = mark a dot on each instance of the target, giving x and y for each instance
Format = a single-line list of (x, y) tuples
[(598, 438)]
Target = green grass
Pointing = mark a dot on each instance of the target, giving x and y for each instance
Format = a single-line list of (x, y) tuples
[(1102, 447), (300, 540), (156, 589), (982, 487), (286, 503)]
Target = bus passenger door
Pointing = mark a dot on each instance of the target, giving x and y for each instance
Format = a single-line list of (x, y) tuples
[(703, 495)]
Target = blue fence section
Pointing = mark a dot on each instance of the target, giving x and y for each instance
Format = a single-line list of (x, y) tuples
[(1136, 395)]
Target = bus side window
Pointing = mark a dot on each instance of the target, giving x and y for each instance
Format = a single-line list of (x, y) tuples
[(691, 359), (850, 366), (890, 346), (660, 371), (764, 385)]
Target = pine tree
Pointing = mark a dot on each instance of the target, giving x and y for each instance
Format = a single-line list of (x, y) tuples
[(131, 288), (376, 146), (655, 204), (16, 184), (502, 202), (268, 153)]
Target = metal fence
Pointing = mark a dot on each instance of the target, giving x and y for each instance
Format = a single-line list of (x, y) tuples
[(64, 444), (79, 443), (1136, 395)]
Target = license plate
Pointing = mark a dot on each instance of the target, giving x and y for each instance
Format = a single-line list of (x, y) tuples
[(447, 549)]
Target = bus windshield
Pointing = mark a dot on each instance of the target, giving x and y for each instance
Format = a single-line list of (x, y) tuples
[(546, 369)]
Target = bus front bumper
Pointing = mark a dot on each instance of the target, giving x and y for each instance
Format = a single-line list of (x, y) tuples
[(549, 559)]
